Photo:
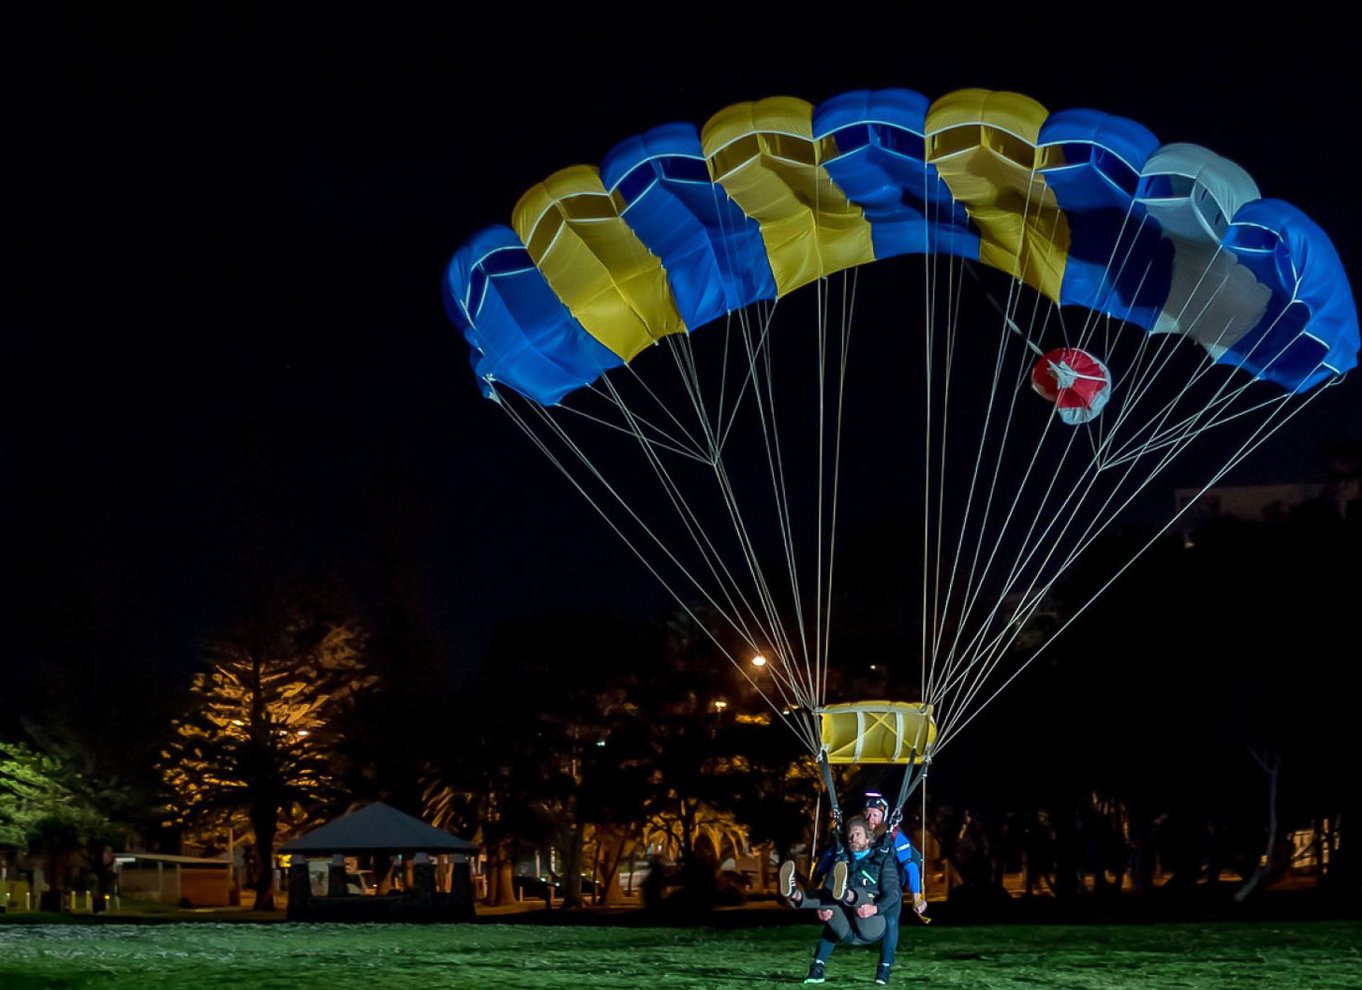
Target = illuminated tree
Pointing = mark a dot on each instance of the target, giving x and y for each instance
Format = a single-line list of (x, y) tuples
[(47, 807), (258, 744)]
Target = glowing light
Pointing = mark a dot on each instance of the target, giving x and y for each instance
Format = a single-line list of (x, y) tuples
[(720, 705), (758, 661)]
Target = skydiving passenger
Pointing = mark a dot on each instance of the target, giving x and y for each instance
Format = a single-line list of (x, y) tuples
[(856, 905)]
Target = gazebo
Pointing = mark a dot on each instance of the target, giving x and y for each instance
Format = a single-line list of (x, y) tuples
[(378, 829)]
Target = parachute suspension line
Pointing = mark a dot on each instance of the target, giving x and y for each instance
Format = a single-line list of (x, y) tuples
[(808, 738), (757, 358), (1088, 537), (1100, 314), (1013, 300), (1002, 640), (763, 342), (955, 296), (1260, 436), (1173, 436), (969, 502), (974, 588), (1154, 431), (956, 658), (848, 313), (779, 640), (668, 444), (714, 560), (932, 545), (772, 631), (1219, 402), (974, 582), (689, 374), (660, 404), (787, 531), (928, 337), (967, 657), (734, 618), (823, 299), (683, 356)]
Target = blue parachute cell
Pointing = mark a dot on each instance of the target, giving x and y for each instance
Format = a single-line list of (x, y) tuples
[(880, 165), (1310, 330), (1118, 261), (519, 331), (712, 252)]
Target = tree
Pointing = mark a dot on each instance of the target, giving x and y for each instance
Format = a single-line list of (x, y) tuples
[(553, 763), (47, 807), (259, 739)]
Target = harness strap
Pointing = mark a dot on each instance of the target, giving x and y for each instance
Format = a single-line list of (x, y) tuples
[(834, 807), (912, 778)]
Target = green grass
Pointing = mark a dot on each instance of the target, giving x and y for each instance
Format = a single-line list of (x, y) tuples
[(207, 956)]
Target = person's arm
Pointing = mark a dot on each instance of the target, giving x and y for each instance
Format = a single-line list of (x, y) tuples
[(907, 861), (889, 896)]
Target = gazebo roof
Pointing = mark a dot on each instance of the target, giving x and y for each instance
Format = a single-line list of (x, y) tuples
[(378, 828)]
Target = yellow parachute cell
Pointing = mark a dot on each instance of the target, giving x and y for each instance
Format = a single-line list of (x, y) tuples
[(765, 157), (607, 278), (983, 144)]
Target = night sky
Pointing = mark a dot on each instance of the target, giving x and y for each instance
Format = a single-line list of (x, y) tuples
[(228, 361)]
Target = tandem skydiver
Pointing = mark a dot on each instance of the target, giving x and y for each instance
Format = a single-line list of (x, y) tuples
[(862, 894)]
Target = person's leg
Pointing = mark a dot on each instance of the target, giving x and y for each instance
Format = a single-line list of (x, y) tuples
[(890, 943), (814, 900), (837, 929)]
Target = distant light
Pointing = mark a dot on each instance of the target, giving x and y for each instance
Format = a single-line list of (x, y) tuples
[(600, 742), (302, 733), (874, 666), (758, 661), (720, 705), (237, 721)]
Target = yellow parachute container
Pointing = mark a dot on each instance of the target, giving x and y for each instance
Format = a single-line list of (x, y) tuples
[(877, 731)]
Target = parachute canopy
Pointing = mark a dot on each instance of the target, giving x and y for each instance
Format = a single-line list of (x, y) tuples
[(1152, 295), (680, 227)]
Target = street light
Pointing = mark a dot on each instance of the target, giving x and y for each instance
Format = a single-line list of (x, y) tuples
[(758, 661)]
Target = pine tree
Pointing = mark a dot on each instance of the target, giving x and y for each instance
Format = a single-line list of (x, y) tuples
[(260, 739)]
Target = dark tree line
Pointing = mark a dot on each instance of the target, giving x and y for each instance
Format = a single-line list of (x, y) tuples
[(1187, 724)]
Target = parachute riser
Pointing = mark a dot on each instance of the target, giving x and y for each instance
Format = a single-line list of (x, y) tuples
[(914, 776)]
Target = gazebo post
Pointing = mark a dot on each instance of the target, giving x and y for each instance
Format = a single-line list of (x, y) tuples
[(423, 877), (299, 888), (335, 876)]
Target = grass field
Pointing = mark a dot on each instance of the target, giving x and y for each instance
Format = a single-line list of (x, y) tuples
[(1284, 956)]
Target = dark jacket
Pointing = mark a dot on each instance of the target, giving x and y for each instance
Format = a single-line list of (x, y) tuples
[(875, 877)]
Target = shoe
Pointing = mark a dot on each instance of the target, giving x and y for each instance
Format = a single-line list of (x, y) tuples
[(839, 880), (815, 973), (882, 975), (786, 885)]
